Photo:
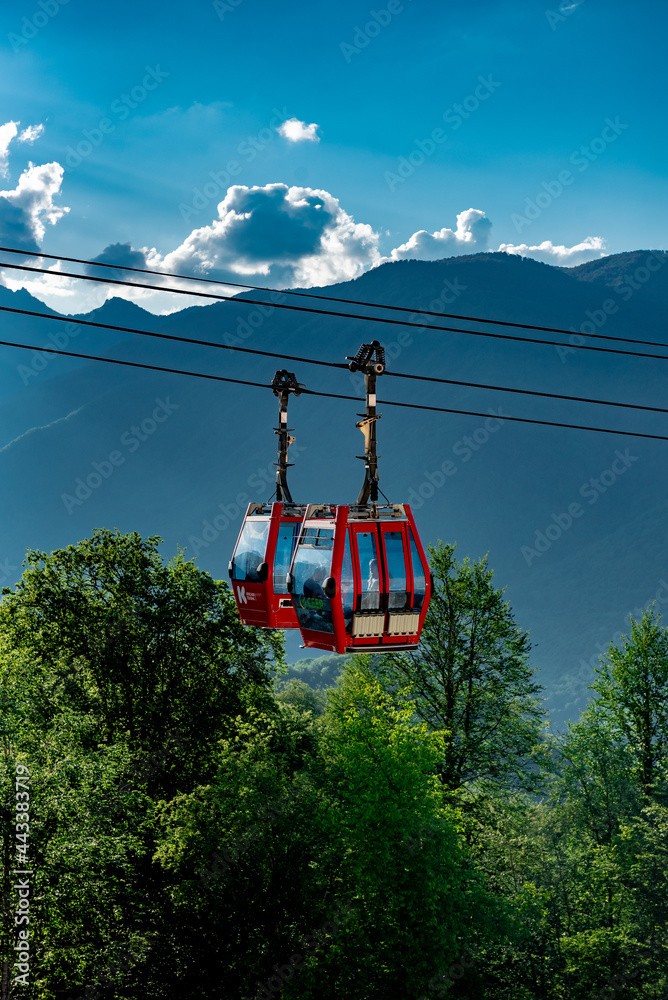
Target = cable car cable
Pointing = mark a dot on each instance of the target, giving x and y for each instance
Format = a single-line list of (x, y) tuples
[(171, 336), (334, 395), (326, 298), (328, 364), (343, 315), (136, 364), (529, 392)]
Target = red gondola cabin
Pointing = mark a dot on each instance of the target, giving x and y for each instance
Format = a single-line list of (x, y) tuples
[(260, 562), (359, 582)]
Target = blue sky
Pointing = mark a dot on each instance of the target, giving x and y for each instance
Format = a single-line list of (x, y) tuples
[(546, 120)]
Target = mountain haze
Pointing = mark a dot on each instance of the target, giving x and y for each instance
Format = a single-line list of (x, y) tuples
[(207, 448)]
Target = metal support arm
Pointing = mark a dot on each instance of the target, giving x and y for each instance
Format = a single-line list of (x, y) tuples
[(370, 359), (283, 384)]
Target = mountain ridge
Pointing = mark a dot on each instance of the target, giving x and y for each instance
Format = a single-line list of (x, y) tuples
[(215, 450)]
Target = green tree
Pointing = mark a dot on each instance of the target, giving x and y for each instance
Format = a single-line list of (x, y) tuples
[(401, 856), (325, 840), (632, 687), (596, 775), (121, 674), (471, 679), (83, 837), (319, 672), (150, 649), (301, 695), (641, 865), (584, 871), (246, 857)]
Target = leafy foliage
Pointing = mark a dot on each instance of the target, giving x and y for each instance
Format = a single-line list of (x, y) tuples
[(300, 695), (471, 679), (319, 672), (119, 675), (199, 828), (632, 687)]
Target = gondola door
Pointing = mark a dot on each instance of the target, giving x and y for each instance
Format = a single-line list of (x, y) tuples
[(391, 584), (368, 619), (399, 580)]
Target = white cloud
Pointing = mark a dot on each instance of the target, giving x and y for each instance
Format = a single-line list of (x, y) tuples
[(471, 236), (7, 133), (591, 248), (25, 209), (31, 133), (275, 235), (295, 131), (284, 235)]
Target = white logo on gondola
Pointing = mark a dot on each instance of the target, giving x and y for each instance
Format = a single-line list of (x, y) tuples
[(241, 593)]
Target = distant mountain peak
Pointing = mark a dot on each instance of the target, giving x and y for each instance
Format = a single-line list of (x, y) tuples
[(22, 299), (117, 310)]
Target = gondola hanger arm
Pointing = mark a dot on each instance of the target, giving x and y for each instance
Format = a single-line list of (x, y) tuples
[(370, 360), (283, 383)]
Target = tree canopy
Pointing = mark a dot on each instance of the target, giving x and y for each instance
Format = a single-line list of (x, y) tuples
[(200, 828), (472, 679), (632, 690)]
